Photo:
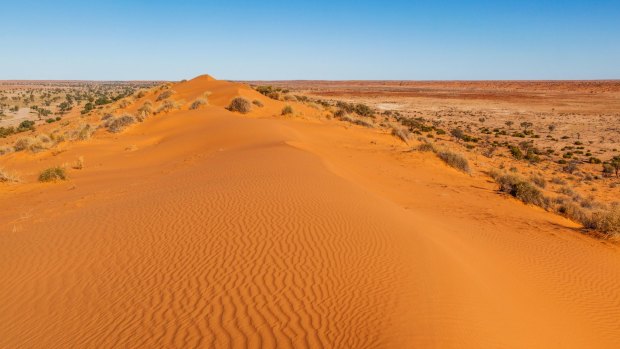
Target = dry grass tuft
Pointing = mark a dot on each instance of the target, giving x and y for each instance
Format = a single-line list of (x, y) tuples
[(116, 125), (455, 160), (165, 95), (520, 189), (166, 107), (198, 103), (401, 133), (24, 143), (240, 104), (287, 110), (258, 103), (53, 174)]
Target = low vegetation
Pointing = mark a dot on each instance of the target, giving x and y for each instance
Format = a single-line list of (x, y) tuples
[(165, 95), (287, 110), (53, 174), (240, 105), (116, 125), (455, 160), (198, 103)]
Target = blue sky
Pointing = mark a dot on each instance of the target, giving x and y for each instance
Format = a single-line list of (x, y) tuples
[(269, 39)]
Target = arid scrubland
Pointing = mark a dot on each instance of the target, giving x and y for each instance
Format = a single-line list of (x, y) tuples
[(551, 144), (554, 145)]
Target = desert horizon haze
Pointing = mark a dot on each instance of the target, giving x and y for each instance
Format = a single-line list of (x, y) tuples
[(420, 174)]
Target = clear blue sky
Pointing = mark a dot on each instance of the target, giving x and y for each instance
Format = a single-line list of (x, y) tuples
[(320, 39)]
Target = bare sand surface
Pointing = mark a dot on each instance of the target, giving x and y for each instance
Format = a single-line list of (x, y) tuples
[(205, 228)]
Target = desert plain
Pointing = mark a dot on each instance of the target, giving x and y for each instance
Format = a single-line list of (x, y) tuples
[(309, 214)]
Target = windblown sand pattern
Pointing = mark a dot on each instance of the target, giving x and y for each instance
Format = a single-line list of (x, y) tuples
[(217, 232)]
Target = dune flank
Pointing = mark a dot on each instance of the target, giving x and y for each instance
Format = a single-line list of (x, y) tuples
[(210, 229)]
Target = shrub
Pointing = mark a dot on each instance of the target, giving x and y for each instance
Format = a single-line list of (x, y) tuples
[(166, 107), (258, 103), (607, 222), (6, 131), (199, 102), (23, 143), (123, 104), (516, 152), (240, 104), (164, 95), (290, 98), (118, 124), (145, 110), (521, 189), (539, 181), (426, 146), (455, 160), (26, 125), (287, 110), (83, 132), (400, 133), (53, 174)]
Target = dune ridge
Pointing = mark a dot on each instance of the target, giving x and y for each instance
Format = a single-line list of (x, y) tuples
[(203, 228)]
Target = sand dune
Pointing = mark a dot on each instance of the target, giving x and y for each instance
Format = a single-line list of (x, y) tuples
[(205, 228)]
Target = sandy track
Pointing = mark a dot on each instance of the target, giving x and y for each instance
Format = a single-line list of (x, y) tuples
[(238, 239)]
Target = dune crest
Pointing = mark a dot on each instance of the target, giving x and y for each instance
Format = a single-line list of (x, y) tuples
[(206, 228)]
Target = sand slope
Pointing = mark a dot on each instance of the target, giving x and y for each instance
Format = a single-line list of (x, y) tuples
[(207, 229)]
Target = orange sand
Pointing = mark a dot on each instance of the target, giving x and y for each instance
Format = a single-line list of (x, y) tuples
[(205, 228)]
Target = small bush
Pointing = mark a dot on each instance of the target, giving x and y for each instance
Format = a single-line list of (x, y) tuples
[(53, 174), (607, 222), (400, 133), (145, 110), (455, 160), (521, 189), (118, 124), (539, 181), (166, 107), (198, 103), (164, 95), (123, 104), (240, 104), (83, 132), (258, 103), (427, 146), (23, 143), (287, 110)]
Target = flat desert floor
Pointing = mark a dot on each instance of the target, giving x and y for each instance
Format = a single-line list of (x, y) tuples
[(206, 228)]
